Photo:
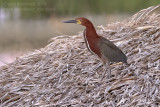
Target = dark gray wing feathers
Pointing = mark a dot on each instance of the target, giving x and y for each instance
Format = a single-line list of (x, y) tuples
[(111, 51)]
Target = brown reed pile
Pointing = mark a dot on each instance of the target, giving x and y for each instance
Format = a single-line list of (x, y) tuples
[(65, 74)]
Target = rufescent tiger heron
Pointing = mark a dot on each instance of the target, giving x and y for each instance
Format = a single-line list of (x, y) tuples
[(100, 46)]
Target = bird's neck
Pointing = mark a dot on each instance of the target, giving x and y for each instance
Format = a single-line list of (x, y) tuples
[(90, 30)]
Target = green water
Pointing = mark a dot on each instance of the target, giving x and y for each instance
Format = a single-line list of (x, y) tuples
[(29, 24), (32, 34)]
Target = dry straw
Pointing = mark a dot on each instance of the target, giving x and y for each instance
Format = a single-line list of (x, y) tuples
[(64, 73)]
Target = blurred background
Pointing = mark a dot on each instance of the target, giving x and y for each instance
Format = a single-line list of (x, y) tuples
[(26, 25)]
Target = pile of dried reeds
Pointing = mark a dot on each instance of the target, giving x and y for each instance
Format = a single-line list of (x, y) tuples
[(61, 74)]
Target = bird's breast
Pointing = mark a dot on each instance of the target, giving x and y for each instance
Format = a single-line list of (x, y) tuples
[(92, 43)]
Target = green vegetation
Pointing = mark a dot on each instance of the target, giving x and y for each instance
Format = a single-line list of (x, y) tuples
[(45, 8)]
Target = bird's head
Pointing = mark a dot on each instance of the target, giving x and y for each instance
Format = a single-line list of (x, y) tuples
[(81, 20)]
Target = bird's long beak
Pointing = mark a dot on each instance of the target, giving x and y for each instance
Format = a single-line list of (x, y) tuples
[(70, 21)]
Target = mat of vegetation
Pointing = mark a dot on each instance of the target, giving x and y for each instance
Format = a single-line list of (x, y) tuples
[(61, 74)]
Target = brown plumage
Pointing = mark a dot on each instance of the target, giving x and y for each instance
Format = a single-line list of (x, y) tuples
[(98, 45)]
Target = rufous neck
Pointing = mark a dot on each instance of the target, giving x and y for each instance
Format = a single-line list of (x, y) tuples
[(90, 29)]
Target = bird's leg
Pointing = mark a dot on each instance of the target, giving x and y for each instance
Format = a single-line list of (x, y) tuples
[(106, 68), (109, 71)]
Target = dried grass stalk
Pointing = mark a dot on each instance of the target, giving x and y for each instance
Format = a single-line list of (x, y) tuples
[(61, 74)]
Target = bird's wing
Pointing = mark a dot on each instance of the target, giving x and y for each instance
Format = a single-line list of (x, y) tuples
[(111, 51)]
